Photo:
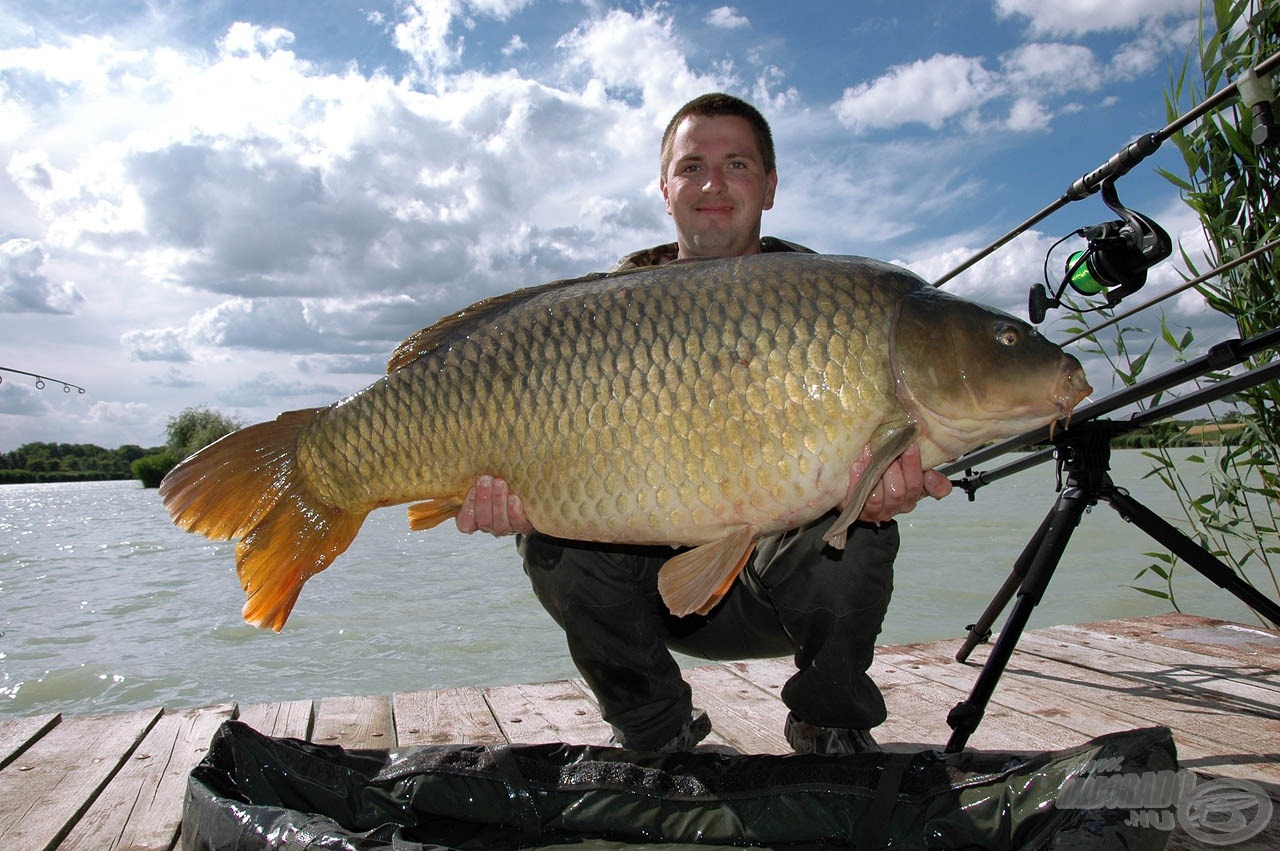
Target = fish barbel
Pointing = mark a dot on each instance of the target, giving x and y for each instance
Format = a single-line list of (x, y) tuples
[(700, 404)]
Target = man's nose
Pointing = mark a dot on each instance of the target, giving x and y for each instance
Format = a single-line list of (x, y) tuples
[(714, 182)]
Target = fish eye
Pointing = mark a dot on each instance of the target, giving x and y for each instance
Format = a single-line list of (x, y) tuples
[(1007, 335)]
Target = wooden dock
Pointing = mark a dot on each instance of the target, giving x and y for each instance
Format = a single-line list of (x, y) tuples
[(101, 783)]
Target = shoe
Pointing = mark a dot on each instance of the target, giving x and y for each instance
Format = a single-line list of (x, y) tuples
[(827, 741), (697, 728)]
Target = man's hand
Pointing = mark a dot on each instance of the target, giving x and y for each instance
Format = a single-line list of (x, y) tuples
[(491, 507), (902, 486)]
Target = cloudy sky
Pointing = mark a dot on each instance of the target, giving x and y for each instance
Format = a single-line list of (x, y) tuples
[(249, 204)]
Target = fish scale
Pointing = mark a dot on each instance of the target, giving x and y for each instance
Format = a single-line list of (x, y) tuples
[(700, 404)]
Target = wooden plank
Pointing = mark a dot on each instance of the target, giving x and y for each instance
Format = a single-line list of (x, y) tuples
[(354, 723), (744, 716), (1094, 704), (1239, 643), (769, 675), (1213, 685), (291, 719), (917, 698), (44, 791), (16, 735), (547, 712), (141, 810), (1089, 701), (1202, 725), (736, 726), (918, 707), (447, 716), (1260, 671), (907, 727)]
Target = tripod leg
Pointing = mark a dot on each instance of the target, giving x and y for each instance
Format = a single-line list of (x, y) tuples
[(1063, 519), (1192, 553), (979, 632)]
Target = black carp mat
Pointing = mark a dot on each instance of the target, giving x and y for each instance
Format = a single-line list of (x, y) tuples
[(257, 792)]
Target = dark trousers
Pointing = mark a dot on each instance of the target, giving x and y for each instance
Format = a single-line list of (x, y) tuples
[(796, 597)]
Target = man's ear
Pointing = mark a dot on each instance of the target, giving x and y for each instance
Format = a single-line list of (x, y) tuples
[(770, 186), (662, 185)]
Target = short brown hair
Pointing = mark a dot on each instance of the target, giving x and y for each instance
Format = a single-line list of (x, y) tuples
[(718, 103)]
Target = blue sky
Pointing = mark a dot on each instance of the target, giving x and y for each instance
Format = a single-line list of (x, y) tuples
[(248, 204)]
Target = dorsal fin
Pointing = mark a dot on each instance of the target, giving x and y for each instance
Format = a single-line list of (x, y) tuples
[(459, 324)]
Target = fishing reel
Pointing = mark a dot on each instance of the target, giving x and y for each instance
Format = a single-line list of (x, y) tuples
[(1114, 263)]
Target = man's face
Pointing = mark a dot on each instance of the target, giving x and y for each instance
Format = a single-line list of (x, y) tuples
[(716, 186)]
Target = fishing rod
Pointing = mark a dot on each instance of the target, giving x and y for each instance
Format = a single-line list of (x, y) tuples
[(1250, 86), (41, 379)]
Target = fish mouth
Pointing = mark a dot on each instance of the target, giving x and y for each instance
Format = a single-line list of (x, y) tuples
[(1069, 390)]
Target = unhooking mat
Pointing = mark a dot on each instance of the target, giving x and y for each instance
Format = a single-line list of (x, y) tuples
[(257, 792)]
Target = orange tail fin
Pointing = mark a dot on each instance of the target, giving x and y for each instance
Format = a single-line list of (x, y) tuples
[(247, 485)]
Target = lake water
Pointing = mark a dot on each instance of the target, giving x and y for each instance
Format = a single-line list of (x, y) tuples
[(105, 606)]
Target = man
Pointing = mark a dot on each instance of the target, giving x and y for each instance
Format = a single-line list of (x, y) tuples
[(797, 596)]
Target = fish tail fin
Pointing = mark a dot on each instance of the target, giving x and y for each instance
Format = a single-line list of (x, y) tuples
[(296, 540), (248, 486)]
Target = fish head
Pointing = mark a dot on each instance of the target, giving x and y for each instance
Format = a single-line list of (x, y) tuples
[(969, 374)]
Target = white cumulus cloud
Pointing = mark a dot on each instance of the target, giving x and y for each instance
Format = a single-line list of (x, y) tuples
[(927, 91), (1022, 89), (727, 18), (642, 57), (428, 31), (24, 288), (156, 344), (1077, 17)]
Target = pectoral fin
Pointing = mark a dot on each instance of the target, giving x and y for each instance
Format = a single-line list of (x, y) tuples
[(694, 581), (425, 515), (886, 445)]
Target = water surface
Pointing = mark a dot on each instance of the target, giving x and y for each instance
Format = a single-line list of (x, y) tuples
[(105, 606)]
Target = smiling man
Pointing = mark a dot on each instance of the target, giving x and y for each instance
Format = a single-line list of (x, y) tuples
[(717, 180), (796, 596)]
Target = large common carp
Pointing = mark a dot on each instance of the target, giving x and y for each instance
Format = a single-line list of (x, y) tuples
[(701, 404)]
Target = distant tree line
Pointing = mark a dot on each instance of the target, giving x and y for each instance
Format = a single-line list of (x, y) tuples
[(188, 433), (69, 462)]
